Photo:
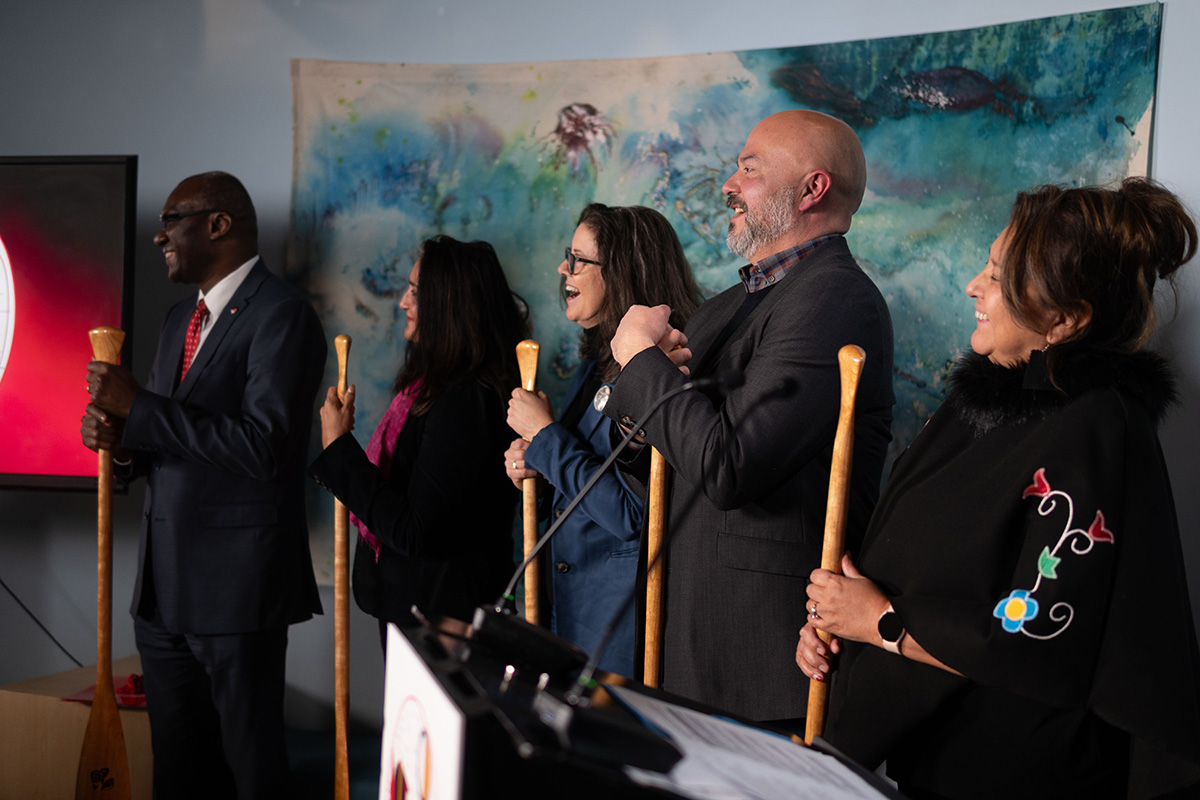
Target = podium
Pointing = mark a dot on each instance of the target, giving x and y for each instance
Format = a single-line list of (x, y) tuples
[(466, 720)]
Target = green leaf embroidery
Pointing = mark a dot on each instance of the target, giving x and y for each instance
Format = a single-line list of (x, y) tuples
[(1047, 564)]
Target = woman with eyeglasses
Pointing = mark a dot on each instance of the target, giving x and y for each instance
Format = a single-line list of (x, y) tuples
[(619, 256), (434, 517)]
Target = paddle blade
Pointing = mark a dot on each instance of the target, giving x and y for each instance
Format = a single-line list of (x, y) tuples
[(103, 768)]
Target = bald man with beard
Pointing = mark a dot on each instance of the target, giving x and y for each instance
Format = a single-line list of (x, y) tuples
[(751, 463)]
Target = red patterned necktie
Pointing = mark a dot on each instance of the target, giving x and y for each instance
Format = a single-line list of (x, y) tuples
[(192, 342)]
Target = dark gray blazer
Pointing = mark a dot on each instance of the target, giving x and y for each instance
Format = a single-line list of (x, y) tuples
[(224, 538), (751, 473)]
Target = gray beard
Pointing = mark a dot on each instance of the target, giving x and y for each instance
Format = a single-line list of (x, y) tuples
[(764, 226)]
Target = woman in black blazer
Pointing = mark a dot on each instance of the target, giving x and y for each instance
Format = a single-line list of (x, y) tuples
[(433, 514)]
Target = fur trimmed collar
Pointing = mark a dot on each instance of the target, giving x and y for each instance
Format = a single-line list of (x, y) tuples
[(986, 395)]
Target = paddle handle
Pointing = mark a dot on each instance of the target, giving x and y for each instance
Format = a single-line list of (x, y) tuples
[(655, 574), (850, 363), (341, 609), (106, 347), (527, 360)]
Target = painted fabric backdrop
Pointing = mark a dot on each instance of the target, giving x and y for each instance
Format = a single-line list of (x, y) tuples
[(953, 125)]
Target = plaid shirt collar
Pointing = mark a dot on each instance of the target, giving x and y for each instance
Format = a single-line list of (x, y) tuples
[(770, 270)]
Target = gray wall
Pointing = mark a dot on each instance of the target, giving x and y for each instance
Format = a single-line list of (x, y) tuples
[(193, 85)]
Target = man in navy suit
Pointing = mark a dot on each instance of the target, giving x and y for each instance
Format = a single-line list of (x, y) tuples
[(221, 433)]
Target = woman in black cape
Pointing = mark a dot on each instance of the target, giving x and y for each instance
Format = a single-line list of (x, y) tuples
[(1017, 623)]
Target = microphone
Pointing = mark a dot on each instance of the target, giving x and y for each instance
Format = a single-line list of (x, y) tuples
[(730, 378), (727, 379), (785, 386), (499, 628)]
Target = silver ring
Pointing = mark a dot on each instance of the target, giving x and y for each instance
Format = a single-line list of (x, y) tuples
[(514, 464)]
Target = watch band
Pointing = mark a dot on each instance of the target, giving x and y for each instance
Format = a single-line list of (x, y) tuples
[(891, 630)]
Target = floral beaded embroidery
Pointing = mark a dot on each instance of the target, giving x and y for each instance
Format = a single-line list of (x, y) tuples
[(1020, 606)]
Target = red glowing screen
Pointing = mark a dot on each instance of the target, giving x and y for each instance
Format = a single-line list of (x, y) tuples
[(66, 266)]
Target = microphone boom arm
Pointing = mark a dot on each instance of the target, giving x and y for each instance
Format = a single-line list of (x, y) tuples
[(508, 596)]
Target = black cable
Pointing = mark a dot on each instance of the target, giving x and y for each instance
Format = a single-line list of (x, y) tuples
[(39, 622), (729, 378)]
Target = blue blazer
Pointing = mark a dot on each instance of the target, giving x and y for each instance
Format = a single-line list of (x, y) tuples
[(594, 556)]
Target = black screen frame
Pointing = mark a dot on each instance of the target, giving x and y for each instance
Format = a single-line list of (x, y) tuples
[(128, 174)]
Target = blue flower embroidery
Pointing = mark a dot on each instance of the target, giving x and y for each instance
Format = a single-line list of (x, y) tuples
[(1014, 610)]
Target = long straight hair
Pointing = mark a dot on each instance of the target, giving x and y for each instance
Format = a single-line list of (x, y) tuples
[(468, 323)]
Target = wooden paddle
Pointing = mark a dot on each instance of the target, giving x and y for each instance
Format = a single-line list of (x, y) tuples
[(103, 766), (527, 356), (656, 514), (850, 362), (341, 610), (655, 519)]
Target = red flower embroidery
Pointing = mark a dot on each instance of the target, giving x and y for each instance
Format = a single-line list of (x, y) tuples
[(1040, 486), (1097, 532)]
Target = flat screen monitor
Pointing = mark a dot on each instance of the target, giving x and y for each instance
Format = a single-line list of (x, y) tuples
[(67, 227)]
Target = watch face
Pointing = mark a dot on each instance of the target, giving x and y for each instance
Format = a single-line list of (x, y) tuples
[(890, 627)]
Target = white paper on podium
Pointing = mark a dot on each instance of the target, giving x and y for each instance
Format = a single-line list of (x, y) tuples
[(723, 759)]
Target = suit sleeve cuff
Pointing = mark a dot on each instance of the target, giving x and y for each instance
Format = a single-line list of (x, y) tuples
[(326, 469), (643, 380)]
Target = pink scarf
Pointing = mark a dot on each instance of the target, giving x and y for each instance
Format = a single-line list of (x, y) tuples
[(382, 447)]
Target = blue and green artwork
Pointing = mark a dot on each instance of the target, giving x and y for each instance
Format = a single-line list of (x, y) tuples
[(953, 125)]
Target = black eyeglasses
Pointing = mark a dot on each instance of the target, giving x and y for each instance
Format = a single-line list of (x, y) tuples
[(573, 259), (170, 219)]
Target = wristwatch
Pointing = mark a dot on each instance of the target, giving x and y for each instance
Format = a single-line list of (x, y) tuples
[(891, 630)]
